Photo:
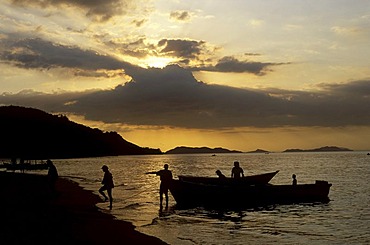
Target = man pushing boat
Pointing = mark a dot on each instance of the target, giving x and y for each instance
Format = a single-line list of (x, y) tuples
[(166, 178)]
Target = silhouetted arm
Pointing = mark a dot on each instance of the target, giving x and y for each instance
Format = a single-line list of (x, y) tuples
[(153, 172)]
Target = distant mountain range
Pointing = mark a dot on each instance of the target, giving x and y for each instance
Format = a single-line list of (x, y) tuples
[(195, 150), (33, 134), (198, 150)]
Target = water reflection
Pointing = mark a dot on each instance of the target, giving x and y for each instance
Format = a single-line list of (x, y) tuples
[(344, 220), (237, 215)]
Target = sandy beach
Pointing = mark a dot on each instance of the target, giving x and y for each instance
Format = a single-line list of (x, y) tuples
[(30, 214)]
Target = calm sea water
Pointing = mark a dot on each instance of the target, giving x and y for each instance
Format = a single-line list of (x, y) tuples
[(344, 220)]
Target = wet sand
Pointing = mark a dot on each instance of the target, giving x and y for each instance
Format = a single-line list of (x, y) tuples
[(30, 214)]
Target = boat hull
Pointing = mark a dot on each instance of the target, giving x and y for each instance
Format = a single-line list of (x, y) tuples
[(189, 194), (247, 180)]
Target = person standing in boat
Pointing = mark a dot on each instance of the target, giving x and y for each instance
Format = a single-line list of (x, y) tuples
[(237, 171), (108, 185), (166, 179)]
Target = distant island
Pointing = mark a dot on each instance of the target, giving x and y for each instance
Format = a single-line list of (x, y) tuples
[(199, 150), (30, 133), (207, 150), (321, 149), (259, 151)]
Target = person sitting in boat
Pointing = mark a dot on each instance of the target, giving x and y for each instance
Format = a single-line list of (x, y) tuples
[(220, 174), (166, 178), (294, 179), (237, 171)]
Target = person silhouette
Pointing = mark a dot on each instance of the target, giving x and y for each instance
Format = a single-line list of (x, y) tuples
[(52, 175), (237, 171), (108, 185), (166, 178), (294, 182), (220, 174)]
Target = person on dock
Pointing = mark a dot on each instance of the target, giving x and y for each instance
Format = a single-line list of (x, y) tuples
[(220, 174), (294, 182), (237, 171), (108, 185), (166, 178), (52, 175)]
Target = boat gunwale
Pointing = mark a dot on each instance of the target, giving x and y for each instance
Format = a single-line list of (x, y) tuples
[(229, 178)]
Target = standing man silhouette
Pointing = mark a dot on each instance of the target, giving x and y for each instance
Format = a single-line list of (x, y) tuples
[(166, 178), (108, 185), (52, 175)]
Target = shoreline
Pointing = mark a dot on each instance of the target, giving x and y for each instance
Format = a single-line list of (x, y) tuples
[(31, 214)]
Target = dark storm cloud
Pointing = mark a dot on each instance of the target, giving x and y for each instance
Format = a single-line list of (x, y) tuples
[(231, 64), (173, 97), (40, 54), (95, 9), (181, 48), (360, 88)]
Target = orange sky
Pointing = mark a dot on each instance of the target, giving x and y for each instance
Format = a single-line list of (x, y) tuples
[(235, 74)]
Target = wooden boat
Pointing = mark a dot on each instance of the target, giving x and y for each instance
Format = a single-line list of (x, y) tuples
[(247, 180), (191, 194)]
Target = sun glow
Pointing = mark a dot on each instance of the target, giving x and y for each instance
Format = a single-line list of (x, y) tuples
[(158, 62)]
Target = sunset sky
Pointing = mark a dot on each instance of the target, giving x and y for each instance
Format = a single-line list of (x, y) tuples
[(238, 74)]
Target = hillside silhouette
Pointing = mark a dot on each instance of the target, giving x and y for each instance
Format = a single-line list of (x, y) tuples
[(34, 134)]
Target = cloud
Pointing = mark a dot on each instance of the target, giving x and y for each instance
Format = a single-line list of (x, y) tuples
[(189, 49), (256, 23), (182, 51), (138, 48), (231, 64), (173, 97), (39, 54), (139, 23), (180, 15), (192, 54), (359, 89), (346, 31), (252, 54), (96, 10)]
